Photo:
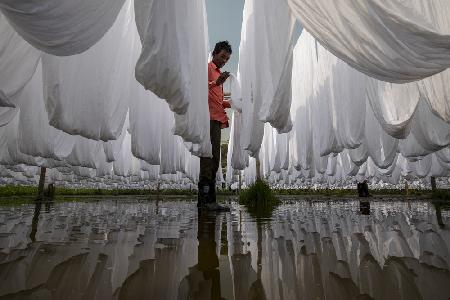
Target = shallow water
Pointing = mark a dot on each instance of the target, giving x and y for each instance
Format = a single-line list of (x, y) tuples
[(131, 249)]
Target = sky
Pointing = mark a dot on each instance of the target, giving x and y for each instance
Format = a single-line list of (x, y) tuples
[(224, 23)]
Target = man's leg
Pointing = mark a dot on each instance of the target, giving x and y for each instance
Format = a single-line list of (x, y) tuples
[(204, 183), (208, 170), (215, 133), (204, 180)]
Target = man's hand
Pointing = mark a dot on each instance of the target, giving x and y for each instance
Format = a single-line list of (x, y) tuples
[(222, 78)]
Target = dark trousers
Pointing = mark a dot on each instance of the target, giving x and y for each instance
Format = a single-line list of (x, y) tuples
[(209, 166)]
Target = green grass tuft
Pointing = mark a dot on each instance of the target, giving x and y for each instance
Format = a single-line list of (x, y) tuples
[(259, 199), (24, 190)]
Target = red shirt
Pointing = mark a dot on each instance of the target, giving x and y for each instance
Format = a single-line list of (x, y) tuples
[(215, 97)]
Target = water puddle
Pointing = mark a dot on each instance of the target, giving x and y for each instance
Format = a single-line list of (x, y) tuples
[(131, 249)]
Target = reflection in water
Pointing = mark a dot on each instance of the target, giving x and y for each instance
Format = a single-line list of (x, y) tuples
[(203, 280), (439, 206), (364, 207), (36, 214), (35, 221), (165, 250)]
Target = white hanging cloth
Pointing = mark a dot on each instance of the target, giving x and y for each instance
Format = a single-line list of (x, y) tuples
[(173, 63), (61, 27), (252, 128), (393, 105), (394, 41), (35, 136), (87, 94), (18, 61), (274, 43)]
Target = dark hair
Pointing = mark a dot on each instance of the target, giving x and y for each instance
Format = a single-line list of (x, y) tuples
[(224, 45)]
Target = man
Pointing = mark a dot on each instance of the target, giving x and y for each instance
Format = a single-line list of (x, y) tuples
[(218, 120)]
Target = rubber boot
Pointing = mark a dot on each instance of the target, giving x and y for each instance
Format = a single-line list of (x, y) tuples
[(212, 204), (203, 194)]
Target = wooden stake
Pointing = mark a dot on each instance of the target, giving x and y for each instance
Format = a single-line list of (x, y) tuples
[(258, 169), (240, 182), (406, 188), (41, 183), (433, 183)]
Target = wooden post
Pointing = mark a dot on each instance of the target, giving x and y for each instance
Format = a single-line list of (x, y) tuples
[(433, 183), (258, 169), (41, 183), (158, 191), (406, 188), (240, 182)]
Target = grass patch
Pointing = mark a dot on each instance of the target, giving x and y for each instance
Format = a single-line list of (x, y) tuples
[(259, 199), (120, 192), (259, 190), (18, 190), (23, 190)]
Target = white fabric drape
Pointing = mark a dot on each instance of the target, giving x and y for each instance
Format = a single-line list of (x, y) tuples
[(237, 157), (348, 126), (18, 61), (393, 105), (88, 94), (273, 41), (173, 63), (61, 27), (35, 136), (436, 91), (395, 41), (160, 66), (302, 92), (147, 113), (265, 78), (193, 126)]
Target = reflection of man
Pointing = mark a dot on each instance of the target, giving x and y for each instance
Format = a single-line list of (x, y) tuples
[(218, 120), (203, 281)]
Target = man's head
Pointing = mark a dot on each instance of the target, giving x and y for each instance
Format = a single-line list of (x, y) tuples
[(221, 54)]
